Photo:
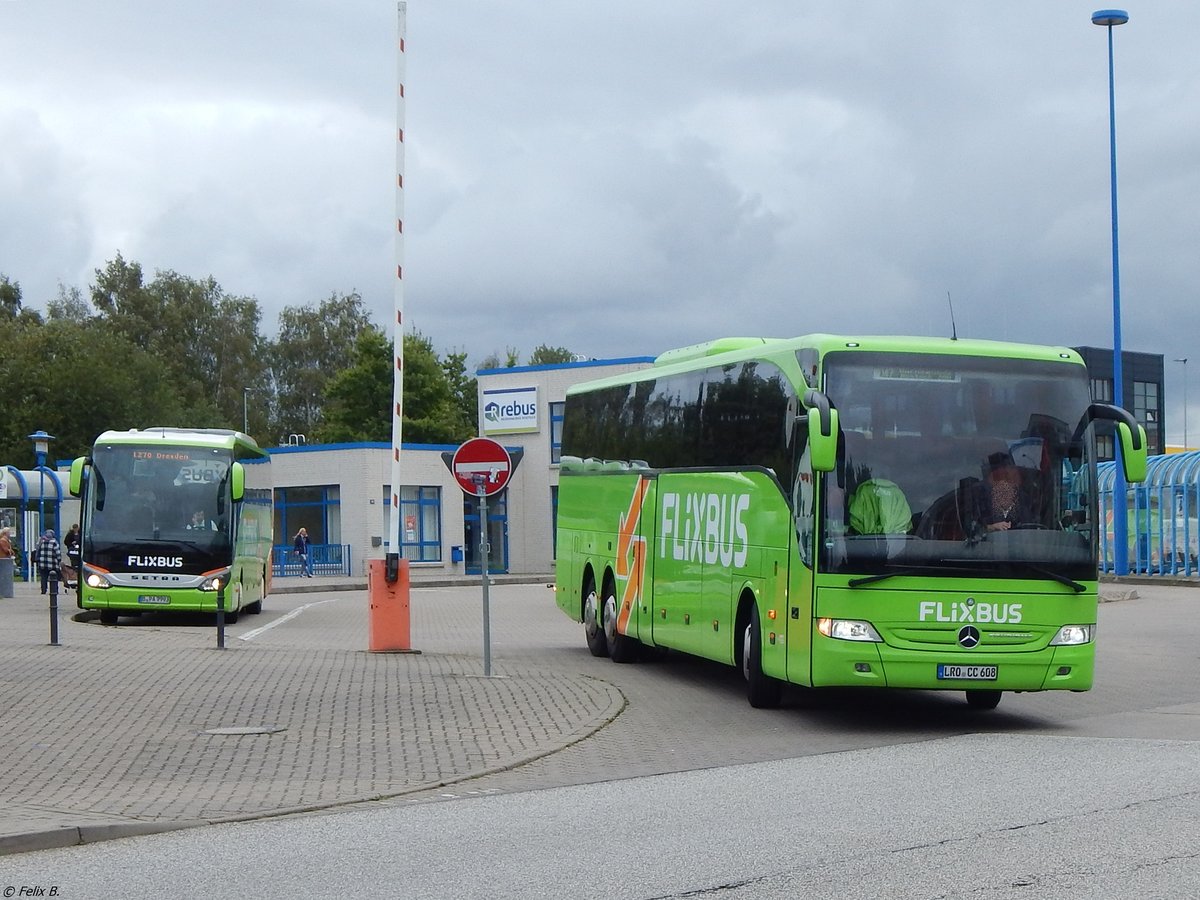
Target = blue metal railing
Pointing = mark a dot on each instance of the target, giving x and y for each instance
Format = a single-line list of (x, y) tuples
[(1164, 516), (327, 559)]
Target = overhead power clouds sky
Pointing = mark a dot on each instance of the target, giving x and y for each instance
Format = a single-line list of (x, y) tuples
[(620, 178)]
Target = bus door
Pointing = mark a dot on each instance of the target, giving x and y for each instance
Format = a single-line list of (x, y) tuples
[(802, 543)]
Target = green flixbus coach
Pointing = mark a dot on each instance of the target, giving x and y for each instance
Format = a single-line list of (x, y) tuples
[(169, 517), (822, 511)]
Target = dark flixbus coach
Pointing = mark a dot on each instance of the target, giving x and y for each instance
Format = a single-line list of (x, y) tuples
[(171, 516)]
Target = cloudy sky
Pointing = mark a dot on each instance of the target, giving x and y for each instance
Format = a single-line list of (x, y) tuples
[(625, 177)]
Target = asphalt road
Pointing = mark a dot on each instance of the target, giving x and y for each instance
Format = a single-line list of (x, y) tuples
[(690, 792)]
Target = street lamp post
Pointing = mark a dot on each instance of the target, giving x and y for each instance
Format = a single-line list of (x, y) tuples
[(1184, 359), (1108, 18), (245, 411), (41, 446)]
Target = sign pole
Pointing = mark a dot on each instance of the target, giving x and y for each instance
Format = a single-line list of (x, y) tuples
[(482, 468), (484, 556)]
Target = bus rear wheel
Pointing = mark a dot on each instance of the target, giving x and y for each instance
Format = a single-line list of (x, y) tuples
[(983, 699), (763, 691), (621, 647), (596, 640)]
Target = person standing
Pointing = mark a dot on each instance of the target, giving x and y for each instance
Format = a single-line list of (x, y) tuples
[(7, 564), (48, 558), (71, 542), (303, 548)]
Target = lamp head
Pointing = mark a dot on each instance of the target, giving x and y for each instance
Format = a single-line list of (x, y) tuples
[(1110, 17)]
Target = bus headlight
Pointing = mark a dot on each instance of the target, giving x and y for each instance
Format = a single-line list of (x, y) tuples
[(96, 580), (1074, 634), (848, 630), (213, 580)]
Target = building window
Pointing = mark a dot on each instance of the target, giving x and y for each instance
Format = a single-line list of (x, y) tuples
[(556, 429), (316, 508), (1145, 408), (1102, 390), (420, 522)]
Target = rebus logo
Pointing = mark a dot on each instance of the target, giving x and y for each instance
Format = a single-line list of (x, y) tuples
[(498, 412)]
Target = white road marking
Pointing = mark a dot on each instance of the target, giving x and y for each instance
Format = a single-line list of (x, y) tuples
[(251, 635)]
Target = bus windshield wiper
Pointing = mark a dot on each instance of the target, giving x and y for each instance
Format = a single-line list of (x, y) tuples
[(1047, 573), (1054, 576), (883, 576)]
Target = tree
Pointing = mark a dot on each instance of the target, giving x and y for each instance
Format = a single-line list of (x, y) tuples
[(75, 380), (358, 399), (207, 342), (313, 344), (432, 412), (544, 355), (512, 359), (10, 298), (464, 389), (69, 305), (10, 304)]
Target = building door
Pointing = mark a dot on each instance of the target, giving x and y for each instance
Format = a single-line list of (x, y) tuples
[(497, 531)]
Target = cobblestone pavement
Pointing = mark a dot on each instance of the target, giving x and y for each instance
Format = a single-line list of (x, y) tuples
[(141, 727), (147, 725)]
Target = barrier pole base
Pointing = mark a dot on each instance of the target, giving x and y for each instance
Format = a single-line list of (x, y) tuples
[(388, 628)]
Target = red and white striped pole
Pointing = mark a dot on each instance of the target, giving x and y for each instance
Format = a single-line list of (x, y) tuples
[(398, 325), (387, 579)]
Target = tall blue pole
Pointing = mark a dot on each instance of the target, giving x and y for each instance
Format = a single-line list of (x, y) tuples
[(1108, 18)]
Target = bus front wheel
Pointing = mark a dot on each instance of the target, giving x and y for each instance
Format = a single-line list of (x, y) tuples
[(108, 617), (983, 699), (763, 691), (596, 640)]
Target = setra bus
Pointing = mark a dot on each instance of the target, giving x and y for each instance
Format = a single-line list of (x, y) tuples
[(822, 511), (170, 516)]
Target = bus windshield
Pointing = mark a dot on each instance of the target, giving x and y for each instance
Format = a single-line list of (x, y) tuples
[(157, 499), (958, 465)]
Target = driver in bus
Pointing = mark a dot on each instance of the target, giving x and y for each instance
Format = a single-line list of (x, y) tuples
[(200, 522), (1003, 500)]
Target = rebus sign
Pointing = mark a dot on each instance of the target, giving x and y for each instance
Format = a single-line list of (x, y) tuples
[(510, 410)]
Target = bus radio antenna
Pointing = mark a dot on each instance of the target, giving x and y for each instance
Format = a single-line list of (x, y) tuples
[(953, 328)]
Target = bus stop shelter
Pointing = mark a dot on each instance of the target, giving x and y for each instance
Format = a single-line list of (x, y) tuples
[(30, 502)]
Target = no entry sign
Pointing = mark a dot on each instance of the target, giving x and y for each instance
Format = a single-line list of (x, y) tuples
[(481, 463)]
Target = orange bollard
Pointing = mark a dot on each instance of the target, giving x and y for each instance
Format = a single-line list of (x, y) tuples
[(388, 625)]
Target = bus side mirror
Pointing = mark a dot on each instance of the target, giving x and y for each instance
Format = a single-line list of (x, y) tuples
[(75, 486), (237, 482), (822, 432), (1127, 430), (1133, 451)]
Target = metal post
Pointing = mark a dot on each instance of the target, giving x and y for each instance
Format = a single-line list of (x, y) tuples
[(1184, 359), (220, 615), (484, 556), (54, 613), (1108, 18)]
